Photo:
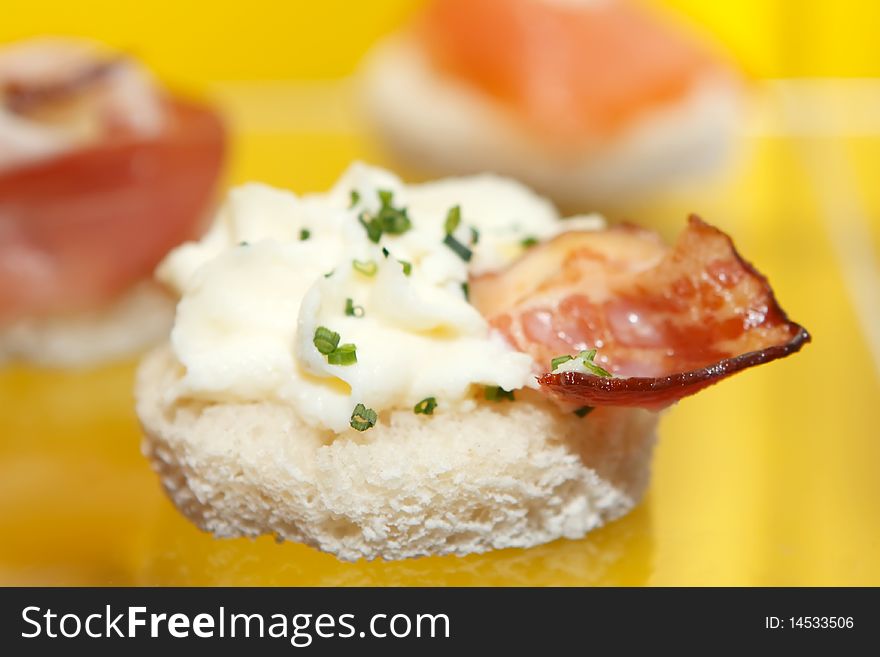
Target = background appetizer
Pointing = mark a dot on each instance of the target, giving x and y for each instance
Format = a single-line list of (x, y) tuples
[(590, 102), (101, 172)]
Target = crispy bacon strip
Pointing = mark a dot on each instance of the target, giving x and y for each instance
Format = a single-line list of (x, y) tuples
[(667, 322)]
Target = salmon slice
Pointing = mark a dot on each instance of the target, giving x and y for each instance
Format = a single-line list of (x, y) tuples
[(570, 70), (80, 228), (667, 322)]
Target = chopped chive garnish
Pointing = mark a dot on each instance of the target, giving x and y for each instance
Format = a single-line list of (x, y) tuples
[(385, 252), (529, 242), (466, 291), (362, 418), (598, 370), (243, 244), (329, 273), (389, 219), (325, 340), (344, 354), (355, 197), (304, 234), (392, 220), (460, 249), (497, 393), (475, 236), (407, 267), (453, 218), (368, 268), (426, 406), (559, 360), (587, 357), (352, 310), (372, 226), (583, 411)]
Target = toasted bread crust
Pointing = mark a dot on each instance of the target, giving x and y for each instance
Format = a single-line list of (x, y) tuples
[(502, 475)]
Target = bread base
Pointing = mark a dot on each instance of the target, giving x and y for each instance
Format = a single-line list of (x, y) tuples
[(502, 475), (139, 319), (440, 125)]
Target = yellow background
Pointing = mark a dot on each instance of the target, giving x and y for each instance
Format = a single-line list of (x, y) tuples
[(189, 41), (769, 478)]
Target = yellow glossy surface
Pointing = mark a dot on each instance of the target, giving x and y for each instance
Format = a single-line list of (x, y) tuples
[(192, 41), (768, 478)]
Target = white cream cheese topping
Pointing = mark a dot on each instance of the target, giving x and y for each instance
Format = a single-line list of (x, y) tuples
[(275, 266)]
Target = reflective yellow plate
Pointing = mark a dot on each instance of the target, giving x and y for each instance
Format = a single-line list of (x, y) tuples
[(769, 478)]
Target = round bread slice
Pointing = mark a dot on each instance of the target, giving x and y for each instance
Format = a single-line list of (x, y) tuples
[(439, 125), (505, 474), (127, 326)]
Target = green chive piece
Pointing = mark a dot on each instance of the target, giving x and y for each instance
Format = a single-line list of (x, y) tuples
[(372, 226), (355, 197), (352, 310), (243, 244), (583, 411), (325, 340), (529, 242), (389, 219), (466, 290), (475, 236), (598, 370), (329, 273), (497, 393), (559, 360), (453, 218), (368, 268), (362, 418), (394, 221), (385, 252), (426, 406), (407, 267), (344, 354), (460, 249), (304, 234)]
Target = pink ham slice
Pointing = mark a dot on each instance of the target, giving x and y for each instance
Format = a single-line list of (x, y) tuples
[(81, 228)]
